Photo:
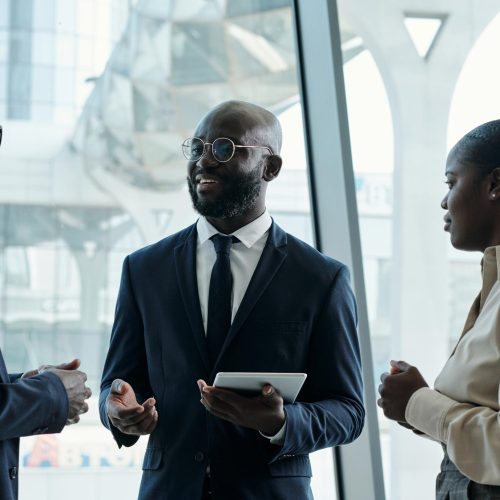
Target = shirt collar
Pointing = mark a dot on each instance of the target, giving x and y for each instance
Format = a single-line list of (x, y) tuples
[(491, 270), (248, 235), (491, 263)]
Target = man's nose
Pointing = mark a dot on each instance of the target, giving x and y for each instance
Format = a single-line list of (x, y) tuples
[(207, 160)]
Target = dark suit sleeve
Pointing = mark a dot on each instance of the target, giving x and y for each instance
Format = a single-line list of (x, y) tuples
[(13, 377), (126, 357), (35, 405), (334, 382)]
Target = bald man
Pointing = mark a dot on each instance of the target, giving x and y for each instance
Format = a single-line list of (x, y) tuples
[(232, 292)]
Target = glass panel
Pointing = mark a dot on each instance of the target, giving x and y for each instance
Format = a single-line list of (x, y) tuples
[(129, 80), (409, 101)]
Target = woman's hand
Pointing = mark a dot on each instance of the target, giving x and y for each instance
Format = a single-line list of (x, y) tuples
[(397, 388)]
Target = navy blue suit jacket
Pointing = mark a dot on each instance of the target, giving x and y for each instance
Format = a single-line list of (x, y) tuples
[(35, 405), (298, 315)]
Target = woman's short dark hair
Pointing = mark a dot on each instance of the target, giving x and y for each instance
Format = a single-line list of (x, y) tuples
[(480, 147)]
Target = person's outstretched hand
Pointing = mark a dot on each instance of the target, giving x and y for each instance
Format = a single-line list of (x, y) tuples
[(74, 383), (397, 388), (262, 413), (126, 414)]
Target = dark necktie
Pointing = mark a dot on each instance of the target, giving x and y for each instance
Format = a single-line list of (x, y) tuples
[(219, 296)]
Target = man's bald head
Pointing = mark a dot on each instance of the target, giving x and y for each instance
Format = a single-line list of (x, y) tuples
[(232, 192), (257, 125)]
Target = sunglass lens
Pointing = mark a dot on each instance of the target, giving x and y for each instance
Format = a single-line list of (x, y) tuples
[(193, 148), (223, 149)]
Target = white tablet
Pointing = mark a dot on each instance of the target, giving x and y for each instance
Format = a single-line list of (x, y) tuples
[(287, 384)]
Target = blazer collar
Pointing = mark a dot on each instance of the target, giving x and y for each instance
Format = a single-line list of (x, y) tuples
[(185, 266)]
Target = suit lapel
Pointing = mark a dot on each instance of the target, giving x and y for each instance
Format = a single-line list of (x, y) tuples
[(272, 258), (185, 265)]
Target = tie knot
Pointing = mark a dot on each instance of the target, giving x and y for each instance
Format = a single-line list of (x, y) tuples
[(222, 243)]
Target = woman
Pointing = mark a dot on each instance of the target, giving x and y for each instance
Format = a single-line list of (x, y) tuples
[(462, 412)]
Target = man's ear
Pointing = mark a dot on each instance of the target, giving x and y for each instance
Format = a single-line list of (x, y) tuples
[(495, 184), (272, 168)]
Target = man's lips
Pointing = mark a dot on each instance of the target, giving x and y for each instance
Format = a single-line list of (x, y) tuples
[(206, 182), (204, 179)]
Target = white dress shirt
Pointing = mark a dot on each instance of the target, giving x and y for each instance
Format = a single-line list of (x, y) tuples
[(244, 257)]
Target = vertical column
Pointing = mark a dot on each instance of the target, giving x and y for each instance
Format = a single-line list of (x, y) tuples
[(19, 68), (359, 467)]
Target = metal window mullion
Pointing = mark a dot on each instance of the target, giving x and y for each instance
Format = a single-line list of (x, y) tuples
[(333, 197)]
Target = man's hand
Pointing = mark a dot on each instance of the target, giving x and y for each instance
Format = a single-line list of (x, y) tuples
[(76, 390), (126, 414), (263, 413), (72, 365), (397, 388)]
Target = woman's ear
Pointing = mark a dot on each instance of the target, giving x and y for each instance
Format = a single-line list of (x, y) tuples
[(495, 184), (272, 167)]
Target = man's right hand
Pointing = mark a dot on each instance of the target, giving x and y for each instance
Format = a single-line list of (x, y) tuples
[(126, 414), (76, 390)]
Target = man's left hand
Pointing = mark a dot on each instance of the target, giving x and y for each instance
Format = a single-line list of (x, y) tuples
[(397, 388), (263, 413)]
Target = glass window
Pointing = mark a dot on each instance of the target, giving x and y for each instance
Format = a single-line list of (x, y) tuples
[(86, 15), (65, 51), (3, 83), (85, 52), (21, 14), (66, 16), (411, 95), (43, 84), (20, 46), (42, 112), (113, 180), (4, 13), (44, 14), (4, 46), (64, 87), (43, 48), (191, 62)]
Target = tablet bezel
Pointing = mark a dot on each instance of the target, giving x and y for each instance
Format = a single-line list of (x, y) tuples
[(251, 383)]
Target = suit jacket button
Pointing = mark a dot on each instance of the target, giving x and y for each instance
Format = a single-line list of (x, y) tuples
[(13, 472), (199, 456)]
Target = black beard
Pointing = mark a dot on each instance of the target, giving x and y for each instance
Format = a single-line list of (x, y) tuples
[(240, 194)]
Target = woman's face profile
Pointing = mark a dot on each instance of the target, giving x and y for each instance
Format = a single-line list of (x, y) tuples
[(469, 218)]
